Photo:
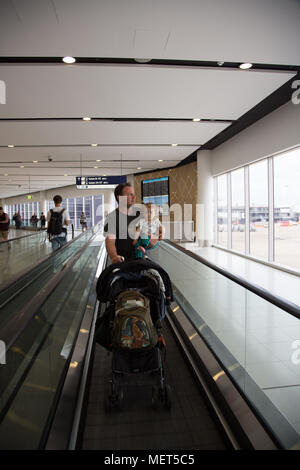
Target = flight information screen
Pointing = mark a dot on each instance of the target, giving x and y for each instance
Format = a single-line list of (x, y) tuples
[(156, 191)]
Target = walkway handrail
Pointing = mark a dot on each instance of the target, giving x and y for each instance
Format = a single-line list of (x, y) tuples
[(283, 304), (33, 266), (11, 331)]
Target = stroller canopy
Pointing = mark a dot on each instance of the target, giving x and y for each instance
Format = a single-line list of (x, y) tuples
[(136, 266)]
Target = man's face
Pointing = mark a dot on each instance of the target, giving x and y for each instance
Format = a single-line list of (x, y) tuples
[(128, 192)]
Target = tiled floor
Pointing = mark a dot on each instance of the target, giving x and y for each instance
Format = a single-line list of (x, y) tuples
[(263, 338)]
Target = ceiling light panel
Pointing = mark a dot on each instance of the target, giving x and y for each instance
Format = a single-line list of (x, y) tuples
[(77, 132), (139, 92)]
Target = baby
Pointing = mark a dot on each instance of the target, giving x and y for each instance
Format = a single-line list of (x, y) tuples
[(148, 228)]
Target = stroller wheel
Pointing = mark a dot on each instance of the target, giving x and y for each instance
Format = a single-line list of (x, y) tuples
[(119, 399), (155, 397), (168, 397), (107, 404), (114, 400)]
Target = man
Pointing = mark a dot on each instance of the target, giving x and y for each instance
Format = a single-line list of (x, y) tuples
[(119, 227), (4, 226), (58, 219), (118, 242)]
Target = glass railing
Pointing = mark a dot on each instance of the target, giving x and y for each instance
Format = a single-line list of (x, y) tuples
[(37, 360), (256, 342)]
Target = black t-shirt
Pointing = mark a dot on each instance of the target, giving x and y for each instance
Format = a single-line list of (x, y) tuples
[(119, 224)]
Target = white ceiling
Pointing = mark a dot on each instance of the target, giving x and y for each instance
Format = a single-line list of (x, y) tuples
[(260, 31)]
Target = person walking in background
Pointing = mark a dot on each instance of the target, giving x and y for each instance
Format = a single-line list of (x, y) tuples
[(18, 220), (43, 221), (83, 222), (58, 219), (34, 220), (4, 226)]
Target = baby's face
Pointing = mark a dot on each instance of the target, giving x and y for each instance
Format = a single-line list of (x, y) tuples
[(150, 212)]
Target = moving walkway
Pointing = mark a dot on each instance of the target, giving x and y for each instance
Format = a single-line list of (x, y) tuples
[(53, 382)]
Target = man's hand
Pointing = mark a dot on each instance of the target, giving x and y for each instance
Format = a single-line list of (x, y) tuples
[(117, 259)]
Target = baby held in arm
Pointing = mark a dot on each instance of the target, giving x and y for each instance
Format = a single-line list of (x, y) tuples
[(148, 231)]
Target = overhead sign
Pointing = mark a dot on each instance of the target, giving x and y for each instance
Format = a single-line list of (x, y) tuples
[(29, 197), (99, 182)]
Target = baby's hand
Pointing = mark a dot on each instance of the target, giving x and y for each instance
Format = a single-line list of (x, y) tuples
[(141, 248)]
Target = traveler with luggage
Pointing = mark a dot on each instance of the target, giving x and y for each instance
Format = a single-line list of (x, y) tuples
[(58, 219)]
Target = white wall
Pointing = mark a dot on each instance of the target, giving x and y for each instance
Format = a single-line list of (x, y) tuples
[(278, 131), (64, 192)]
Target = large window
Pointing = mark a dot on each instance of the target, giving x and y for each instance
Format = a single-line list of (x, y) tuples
[(259, 209), (287, 208), (238, 210), (264, 213), (88, 210), (79, 209), (222, 210)]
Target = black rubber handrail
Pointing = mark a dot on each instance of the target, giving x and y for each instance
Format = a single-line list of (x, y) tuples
[(283, 304)]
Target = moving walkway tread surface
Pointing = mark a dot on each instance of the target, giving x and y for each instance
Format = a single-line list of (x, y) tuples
[(187, 426)]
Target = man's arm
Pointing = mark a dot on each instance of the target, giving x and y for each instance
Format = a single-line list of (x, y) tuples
[(110, 244)]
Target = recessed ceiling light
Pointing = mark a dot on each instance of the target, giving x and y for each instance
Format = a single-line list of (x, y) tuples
[(174, 145), (98, 160), (94, 145), (22, 166), (196, 119), (104, 175), (65, 175), (245, 66), (160, 160), (95, 167), (35, 161), (10, 146), (5, 174), (143, 60), (86, 118), (69, 60)]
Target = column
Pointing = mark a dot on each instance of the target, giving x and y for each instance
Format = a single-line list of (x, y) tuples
[(205, 206), (109, 201), (43, 207)]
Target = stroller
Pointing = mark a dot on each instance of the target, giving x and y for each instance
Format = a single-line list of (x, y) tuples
[(140, 290)]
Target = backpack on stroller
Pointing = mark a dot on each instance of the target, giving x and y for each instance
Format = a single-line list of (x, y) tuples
[(133, 298)]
